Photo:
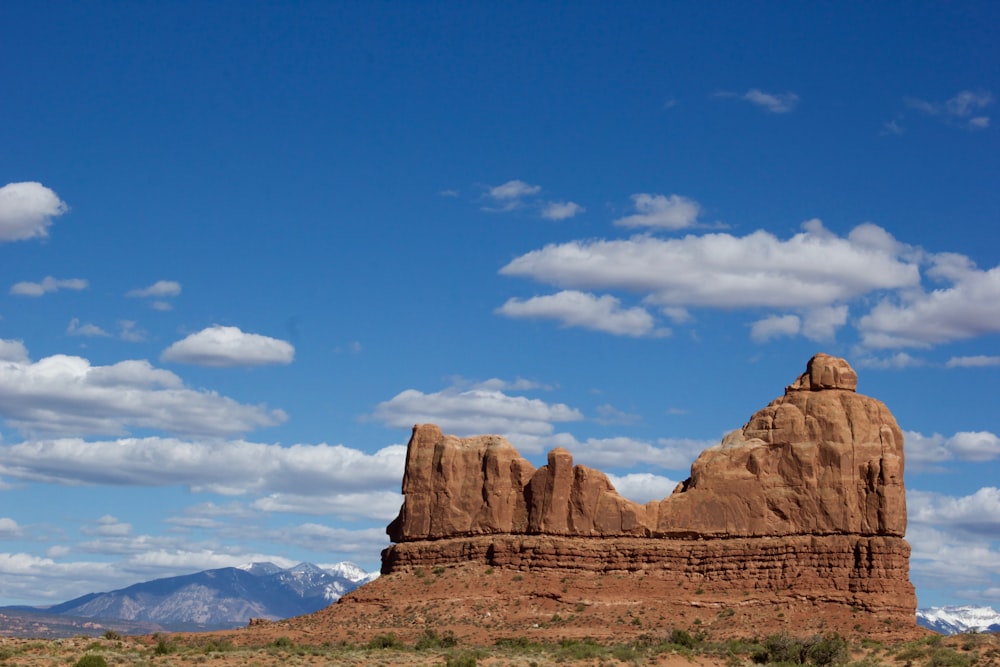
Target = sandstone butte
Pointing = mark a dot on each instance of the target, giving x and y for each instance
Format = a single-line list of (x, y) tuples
[(794, 522)]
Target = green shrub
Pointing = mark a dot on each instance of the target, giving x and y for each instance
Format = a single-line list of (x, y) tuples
[(580, 649), (112, 635), (384, 642), (91, 660), (430, 639), (947, 657), (828, 650), (164, 647), (282, 642), (463, 660), (682, 638)]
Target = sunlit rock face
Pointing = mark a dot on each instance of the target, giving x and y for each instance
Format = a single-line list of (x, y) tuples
[(807, 497)]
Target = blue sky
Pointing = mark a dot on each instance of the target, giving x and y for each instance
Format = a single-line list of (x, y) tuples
[(245, 246)]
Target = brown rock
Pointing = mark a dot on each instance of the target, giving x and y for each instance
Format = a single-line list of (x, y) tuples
[(807, 497)]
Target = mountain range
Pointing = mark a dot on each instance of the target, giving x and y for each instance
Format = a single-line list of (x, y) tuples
[(957, 619), (217, 599)]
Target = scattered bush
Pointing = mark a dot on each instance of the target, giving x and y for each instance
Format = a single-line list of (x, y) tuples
[(430, 639), (282, 642), (946, 657), (682, 638), (91, 660), (464, 660), (385, 641), (821, 651), (164, 647), (112, 635)]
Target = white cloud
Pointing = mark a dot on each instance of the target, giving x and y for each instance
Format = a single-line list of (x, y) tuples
[(48, 284), (814, 268), (774, 326), (963, 446), (26, 211), (514, 189), (64, 394), (821, 324), (977, 361), (622, 452), (9, 529), (976, 513), (896, 361), (380, 506), (961, 110), (87, 329), (227, 467), (950, 560), (922, 319), (772, 102), (159, 289), (561, 210), (107, 526), (13, 350), (641, 487), (476, 411), (661, 212), (220, 346), (510, 195), (581, 309)]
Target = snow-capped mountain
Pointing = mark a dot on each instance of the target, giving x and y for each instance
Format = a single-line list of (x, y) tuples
[(221, 599), (956, 619)]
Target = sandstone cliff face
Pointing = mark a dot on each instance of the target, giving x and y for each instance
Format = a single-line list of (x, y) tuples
[(806, 499), (820, 460)]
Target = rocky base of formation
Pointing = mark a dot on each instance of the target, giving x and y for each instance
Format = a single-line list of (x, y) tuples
[(869, 573), (482, 603)]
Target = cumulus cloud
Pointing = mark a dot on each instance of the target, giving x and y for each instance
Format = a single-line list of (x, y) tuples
[(977, 513), (619, 452), (47, 285), (561, 210), (64, 394), (9, 529), (922, 319), (962, 446), (220, 346), (661, 212), (977, 361), (775, 326), (951, 560), (227, 467), (510, 195), (380, 506), (963, 110), (814, 268), (76, 328), (160, 289), (581, 309), (642, 487), (476, 411), (897, 361), (13, 350), (819, 324), (26, 211)]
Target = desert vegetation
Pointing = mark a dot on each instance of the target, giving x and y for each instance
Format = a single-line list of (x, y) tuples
[(676, 647)]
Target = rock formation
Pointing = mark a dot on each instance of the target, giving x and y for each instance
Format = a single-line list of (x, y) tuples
[(806, 500)]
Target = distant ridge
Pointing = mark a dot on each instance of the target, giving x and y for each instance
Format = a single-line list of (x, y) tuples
[(953, 620), (218, 599)]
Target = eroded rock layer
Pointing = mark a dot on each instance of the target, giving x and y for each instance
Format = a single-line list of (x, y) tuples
[(807, 499)]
